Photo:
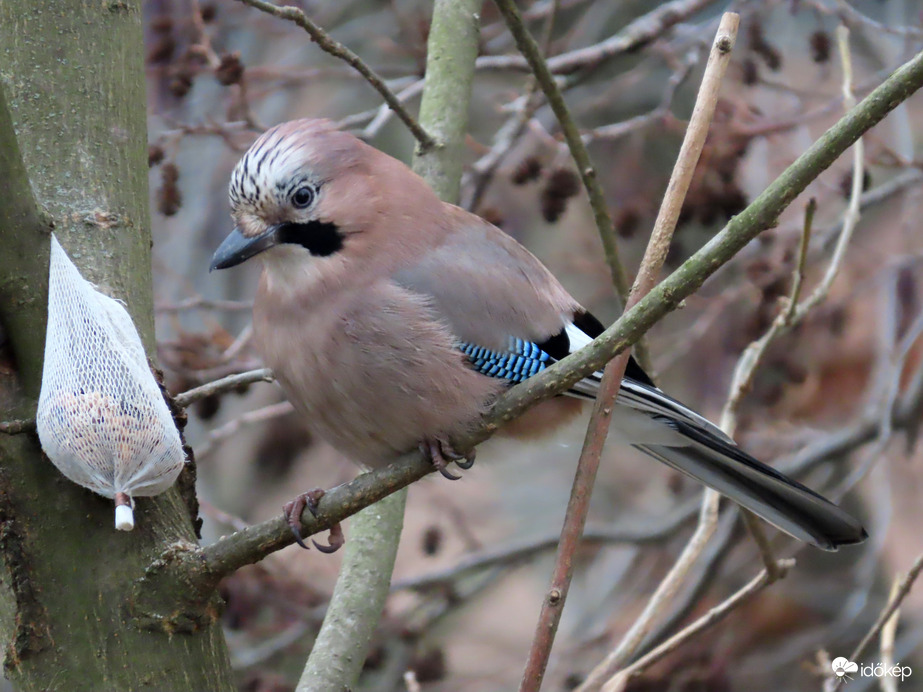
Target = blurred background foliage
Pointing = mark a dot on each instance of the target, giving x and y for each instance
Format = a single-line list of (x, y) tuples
[(220, 72)]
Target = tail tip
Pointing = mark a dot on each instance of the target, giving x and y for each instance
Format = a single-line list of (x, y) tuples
[(833, 544)]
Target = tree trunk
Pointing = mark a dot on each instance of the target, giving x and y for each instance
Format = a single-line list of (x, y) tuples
[(72, 73)]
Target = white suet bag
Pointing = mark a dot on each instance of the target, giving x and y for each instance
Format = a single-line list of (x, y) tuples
[(101, 416)]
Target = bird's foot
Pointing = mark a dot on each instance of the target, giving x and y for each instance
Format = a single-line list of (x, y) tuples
[(440, 452), (292, 513)]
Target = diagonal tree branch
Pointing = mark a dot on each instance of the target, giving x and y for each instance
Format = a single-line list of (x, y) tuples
[(222, 385), (651, 264), (620, 681), (338, 50), (533, 54), (640, 32)]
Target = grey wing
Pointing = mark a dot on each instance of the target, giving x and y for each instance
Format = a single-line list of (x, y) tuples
[(488, 287)]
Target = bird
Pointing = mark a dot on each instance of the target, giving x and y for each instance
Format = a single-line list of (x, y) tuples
[(392, 320)]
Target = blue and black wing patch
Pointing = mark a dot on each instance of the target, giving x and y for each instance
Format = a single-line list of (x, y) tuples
[(519, 362), (522, 358)]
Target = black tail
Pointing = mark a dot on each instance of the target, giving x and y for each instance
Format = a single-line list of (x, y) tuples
[(784, 503)]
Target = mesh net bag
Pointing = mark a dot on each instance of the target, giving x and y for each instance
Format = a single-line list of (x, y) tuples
[(101, 416)]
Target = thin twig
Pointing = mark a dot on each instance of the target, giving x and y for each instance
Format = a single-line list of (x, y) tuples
[(888, 635), (846, 11), (877, 195), (663, 595), (17, 427), (506, 137), (640, 32), (752, 355), (851, 218), (884, 410), (713, 616), (222, 432), (697, 581), (383, 115), (203, 46), (691, 149), (533, 54), (238, 345), (511, 131), (338, 50), (653, 259), (642, 533), (745, 370), (597, 431), (223, 385), (614, 131), (409, 86), (268, 648), (905, 415), (794, 312), (906, 583)]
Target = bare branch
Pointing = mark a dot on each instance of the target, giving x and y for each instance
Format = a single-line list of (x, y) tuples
[(510, 132), (223, 385), (222, 432), (689, 153), (713, 616), (906, 583), (794, 312), (17, 427), (666, 590), (523, 550), (640, 32), (888, 635), (615, 131), (853, 16), (383, 115), (338, 50), (851, 218)]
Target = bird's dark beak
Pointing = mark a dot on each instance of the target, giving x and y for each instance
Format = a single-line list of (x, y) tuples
[(238, 248)]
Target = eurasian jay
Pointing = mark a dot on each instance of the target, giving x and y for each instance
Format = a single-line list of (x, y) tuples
[(392, 320)]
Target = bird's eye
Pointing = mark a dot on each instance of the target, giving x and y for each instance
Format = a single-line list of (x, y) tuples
[(303, 197)]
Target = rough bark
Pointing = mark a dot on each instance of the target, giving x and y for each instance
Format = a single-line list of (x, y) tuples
[(71, 613)]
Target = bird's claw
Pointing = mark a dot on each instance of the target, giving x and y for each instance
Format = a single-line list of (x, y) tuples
[(440, 452), (335, 540), (466, 461), (292, 513)]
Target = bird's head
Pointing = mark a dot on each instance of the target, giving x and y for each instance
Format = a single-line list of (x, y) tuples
[(298, 192)]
